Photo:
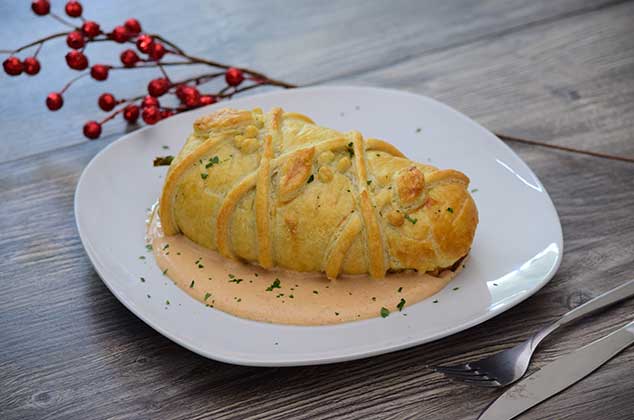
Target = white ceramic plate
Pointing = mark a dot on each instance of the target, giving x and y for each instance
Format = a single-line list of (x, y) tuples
[(517, 249)]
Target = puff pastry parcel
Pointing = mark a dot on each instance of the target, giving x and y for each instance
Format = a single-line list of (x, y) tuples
[(278, 190)]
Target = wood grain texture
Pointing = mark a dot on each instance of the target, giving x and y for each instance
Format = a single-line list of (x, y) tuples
[(559, 71)]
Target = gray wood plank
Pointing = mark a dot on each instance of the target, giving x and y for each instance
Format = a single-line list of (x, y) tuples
[(305, 43), (570, 82)]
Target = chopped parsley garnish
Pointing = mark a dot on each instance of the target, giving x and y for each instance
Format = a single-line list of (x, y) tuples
[(212, 161), (165, 271), (256, 274), (411, 219), (201, 266), (337, 313), (450, 210), (166, 246), (418, 130), (401, 304), (167, 302), (148, 247), (163, 160), (350, 144), (207, 295), (456, 288), (231, 276), (495, 284), (435, 301), (142, 280), (237, 281), (141, 257), (475, 190), (311, 178), (369, 181), (165, 147), (274, 285), (291, 296), (204, 176), (400, 289), (149, 297), (315, 292), (385, 312), (374, 298), (191, 285)]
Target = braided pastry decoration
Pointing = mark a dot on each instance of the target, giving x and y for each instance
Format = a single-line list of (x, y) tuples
[(278, 190)]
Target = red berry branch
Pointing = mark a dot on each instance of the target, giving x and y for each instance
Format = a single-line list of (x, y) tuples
[(147, 51)]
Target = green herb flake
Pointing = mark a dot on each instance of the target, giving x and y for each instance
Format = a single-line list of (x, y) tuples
[(373, 298), (148, 296), (450, 210), (315, 292), (201, 266), (400, 289), (418, 130), (401, 304), (369, 181), (456, 288), (191, 285), (385, 312), (475, 190), (337, 313), (207, 295), (141, 257), (274, 285), (212, 161), (167, 302), (204, 176), (165, 271), (291, 296), (148, 247), (311, 178), (411, 219), (495, 284), (232, 276), (256, 274), (162, 160), (435, 301), (142, 279), (236, 281), (166, 246)]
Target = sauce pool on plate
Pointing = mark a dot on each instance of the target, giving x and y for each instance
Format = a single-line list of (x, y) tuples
[(284, 297)]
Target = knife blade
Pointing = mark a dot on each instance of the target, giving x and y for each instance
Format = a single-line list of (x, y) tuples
[(558, 375)]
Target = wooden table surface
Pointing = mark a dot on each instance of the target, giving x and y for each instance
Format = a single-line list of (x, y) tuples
[(557, 71)]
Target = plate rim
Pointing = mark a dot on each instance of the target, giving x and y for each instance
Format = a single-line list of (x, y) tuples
[(354, 355)]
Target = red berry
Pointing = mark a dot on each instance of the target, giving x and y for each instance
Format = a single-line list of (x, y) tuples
[(119, 34), (234, 76), (73, 8), (151, 115), (157, 51), (31, 66), (92, 130), (149, 101), (76, 60), (91, 29), (131, 113), (129, 58), (41, 7), (133, 26), (75, 40), (144, 43), (54, 101), (180, 91), (207, 100), (107, 102), (166, 113), (190, 96), (99, 72), (158, 87), (13, 66)]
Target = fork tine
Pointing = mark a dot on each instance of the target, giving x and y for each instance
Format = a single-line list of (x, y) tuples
[(454, 369), (485, 384), (472, 376)]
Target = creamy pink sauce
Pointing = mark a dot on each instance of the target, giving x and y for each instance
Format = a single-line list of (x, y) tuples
[(284, 297)]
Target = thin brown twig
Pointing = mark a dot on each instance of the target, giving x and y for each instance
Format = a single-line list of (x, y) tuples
[(62, 21), (565, 148), (39, 41)]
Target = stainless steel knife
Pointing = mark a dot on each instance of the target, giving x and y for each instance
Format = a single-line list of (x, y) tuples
[(558, 375)]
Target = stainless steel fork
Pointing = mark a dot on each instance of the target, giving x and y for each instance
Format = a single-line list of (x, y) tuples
[(509, 365)]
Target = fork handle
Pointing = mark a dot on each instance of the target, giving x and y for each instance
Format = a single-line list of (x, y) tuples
[(606, 299)]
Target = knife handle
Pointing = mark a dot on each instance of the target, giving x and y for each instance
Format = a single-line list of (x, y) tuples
[(606, 299)]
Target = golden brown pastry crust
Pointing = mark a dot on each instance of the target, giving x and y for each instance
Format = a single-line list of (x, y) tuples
[(279, 190)]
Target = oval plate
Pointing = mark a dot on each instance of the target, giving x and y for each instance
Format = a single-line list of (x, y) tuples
[(517, 249)]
